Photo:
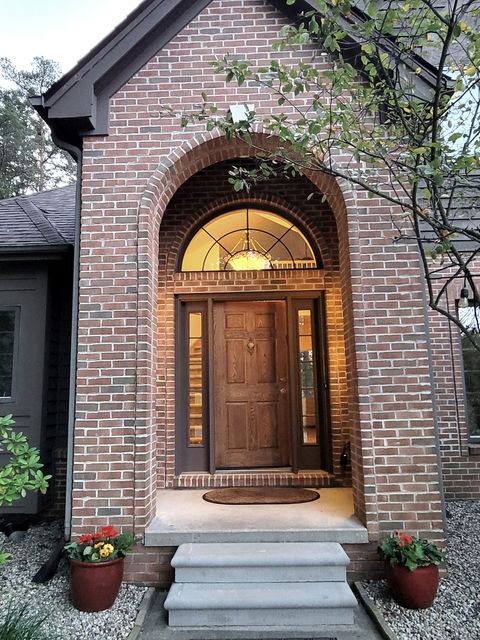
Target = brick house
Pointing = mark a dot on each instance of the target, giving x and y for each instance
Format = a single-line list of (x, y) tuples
[(225, 340)]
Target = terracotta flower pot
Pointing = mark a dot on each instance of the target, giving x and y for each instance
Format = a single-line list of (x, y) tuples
[(95, 585), (413, 589)]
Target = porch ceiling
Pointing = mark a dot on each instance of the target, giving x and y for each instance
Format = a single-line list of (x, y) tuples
[(183, 516)]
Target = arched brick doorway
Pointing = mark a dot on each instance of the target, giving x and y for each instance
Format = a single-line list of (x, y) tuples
[(267, 406), (159, 355)]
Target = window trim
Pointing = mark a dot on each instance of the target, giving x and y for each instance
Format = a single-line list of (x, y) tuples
[(16, 345)]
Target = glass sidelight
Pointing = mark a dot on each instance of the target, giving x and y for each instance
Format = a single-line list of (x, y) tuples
[(195, 378), (308, 386)]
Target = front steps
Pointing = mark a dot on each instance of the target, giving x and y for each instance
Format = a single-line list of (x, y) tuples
[(293, 585)]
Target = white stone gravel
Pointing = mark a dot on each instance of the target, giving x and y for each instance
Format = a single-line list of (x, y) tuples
[(52, 597), (455, 614)]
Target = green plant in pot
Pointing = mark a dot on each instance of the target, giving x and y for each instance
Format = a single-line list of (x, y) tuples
[(411, 568), (96, 567)]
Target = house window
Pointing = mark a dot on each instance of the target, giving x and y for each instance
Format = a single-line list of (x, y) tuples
[(470, 318), (248, 239), (7, 343)]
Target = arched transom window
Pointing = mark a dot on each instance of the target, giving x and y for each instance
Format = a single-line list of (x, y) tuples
[(248, 239)]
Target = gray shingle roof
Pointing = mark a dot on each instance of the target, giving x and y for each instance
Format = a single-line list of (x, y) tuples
[(44, 219)]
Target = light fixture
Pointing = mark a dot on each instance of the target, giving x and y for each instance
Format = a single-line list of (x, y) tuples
[(463, 302), (251, 257), (241, 112), (345, 455)]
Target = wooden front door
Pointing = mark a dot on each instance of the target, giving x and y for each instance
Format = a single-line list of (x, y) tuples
[(251, 397)]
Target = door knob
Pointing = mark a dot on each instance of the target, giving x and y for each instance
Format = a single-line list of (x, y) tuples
[(250, 346), (283, 390)]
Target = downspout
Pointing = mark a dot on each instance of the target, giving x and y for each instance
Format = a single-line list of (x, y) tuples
[(76, 153), (434, 393)]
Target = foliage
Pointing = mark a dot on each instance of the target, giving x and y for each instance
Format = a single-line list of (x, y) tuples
[(403, 550), (101, 546), (22, 472), (29, 160), (395, 112), (20, 624), (4, 557)]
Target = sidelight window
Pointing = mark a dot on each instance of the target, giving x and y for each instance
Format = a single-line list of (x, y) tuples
[(195, 378), (307, 376)]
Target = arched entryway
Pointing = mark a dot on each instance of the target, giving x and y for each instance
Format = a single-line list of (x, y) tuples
[(155, 405), (255, 356)]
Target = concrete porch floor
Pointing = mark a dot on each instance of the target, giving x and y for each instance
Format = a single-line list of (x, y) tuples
[(183, 516)]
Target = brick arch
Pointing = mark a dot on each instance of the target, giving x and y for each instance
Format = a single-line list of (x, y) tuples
[(210, 148), (174, 171)]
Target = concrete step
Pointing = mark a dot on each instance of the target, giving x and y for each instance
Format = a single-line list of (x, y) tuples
[(260, 604), (260, 562)]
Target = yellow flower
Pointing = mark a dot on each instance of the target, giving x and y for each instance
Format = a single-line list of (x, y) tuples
[(106, 551), (99, 544)]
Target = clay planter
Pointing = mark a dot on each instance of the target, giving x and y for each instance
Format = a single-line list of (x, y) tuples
[(95, 585), (413, 589)]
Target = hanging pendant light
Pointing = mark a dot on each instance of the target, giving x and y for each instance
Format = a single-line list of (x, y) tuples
[(250, 257)]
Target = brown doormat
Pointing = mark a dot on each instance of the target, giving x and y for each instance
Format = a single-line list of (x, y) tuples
[(261, 495)]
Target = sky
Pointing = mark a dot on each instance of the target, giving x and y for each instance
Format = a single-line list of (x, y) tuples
[(62, 30)]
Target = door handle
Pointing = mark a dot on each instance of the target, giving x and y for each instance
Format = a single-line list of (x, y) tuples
[(283, 390)]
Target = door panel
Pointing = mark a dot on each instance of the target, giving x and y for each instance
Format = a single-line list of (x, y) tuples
[(250, 384), (235, 362), (237, 425)]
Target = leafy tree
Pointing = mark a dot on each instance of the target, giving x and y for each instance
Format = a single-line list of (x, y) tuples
[(400, 100), (29, 160)]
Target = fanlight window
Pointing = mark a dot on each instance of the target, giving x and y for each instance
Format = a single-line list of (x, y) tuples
[(248, 239)]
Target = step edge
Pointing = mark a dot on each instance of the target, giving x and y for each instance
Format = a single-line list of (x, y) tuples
[(181, 598)]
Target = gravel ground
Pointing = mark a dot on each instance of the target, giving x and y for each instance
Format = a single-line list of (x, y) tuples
[(52, 598), (455, 614)]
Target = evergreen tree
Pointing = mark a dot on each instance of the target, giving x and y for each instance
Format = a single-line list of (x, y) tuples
[(29, 160)]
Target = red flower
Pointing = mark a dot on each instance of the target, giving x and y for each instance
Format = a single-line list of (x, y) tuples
[(107, 532), (87, 538), (404, 540)]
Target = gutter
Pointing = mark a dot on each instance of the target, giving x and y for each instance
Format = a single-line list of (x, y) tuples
[(76, 153)]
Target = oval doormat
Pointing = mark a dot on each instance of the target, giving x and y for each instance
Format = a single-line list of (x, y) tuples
[(261, 495)]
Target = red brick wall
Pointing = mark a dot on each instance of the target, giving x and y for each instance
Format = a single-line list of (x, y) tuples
[(129, 178)]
